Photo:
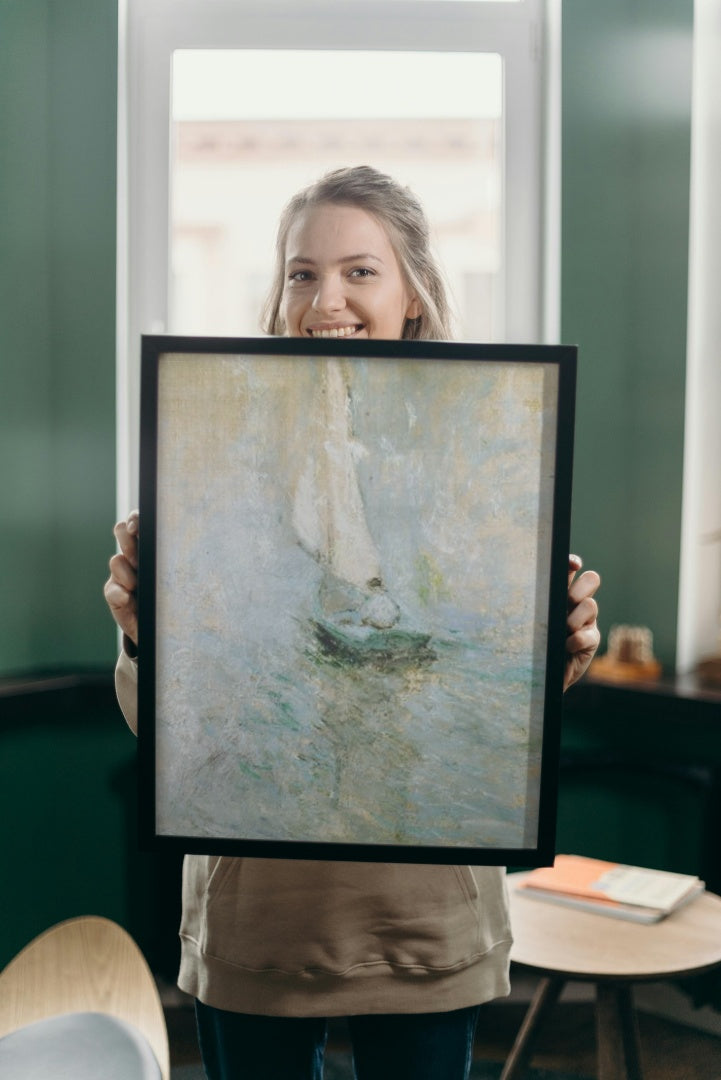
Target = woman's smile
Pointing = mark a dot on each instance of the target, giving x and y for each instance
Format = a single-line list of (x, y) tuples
[(335, 331)]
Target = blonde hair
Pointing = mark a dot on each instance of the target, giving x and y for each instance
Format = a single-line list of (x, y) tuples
[(403, 217)]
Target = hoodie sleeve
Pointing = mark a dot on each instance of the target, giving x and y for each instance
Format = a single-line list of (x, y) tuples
[(126, 688)]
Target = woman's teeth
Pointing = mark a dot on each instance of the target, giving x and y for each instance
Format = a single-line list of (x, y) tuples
[(337, 331)]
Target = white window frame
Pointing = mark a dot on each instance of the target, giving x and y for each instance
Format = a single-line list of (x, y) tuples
[(526, 34), (699, 597)]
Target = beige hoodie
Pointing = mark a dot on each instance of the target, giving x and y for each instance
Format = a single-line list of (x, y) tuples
[(284, 937)]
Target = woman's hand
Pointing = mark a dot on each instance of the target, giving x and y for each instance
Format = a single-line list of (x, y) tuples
[(121, 587), (583, 636)]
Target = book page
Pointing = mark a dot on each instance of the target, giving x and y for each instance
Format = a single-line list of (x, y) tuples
[(652, 888)]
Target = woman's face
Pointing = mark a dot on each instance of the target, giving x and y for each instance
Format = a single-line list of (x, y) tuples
[(342, 277)]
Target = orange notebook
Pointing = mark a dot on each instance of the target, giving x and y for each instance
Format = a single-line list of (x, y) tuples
[(631, 892)]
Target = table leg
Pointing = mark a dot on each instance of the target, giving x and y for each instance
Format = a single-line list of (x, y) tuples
[(617, 1033), (545, 997)]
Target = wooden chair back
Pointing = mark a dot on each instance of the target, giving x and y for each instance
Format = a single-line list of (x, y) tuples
[(87, 964)]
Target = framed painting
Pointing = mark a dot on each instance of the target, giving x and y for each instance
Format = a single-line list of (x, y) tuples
[(352, 597)]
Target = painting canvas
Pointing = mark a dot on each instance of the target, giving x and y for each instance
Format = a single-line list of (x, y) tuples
[(353, 562)]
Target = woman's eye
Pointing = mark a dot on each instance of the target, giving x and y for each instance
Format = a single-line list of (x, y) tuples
[(300, 276), (362, 272)]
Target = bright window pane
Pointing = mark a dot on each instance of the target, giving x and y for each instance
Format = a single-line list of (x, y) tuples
[(252, 127), (455, 1)]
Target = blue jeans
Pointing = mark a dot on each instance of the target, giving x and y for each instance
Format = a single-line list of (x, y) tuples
[(417, 1046)]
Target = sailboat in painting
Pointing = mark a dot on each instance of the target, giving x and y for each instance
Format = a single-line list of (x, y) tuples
[(355, 618)]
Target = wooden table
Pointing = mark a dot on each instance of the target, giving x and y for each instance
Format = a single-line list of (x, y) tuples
[(563, 944)]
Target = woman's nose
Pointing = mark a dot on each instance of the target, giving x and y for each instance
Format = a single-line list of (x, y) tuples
[(329, 296)]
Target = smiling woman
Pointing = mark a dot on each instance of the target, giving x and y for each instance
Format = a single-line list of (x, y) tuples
[(272, 946), (353, 259)]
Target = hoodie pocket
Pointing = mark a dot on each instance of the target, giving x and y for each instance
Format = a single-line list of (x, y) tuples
[(295, 916)]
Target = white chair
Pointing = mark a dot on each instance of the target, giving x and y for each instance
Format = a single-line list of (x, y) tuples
[(80, 1002)]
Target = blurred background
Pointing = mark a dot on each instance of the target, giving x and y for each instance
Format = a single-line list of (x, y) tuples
[(68, 780)]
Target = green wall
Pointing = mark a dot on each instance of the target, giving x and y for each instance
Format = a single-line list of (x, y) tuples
[(626, 145), (66, 758), (58, 72)]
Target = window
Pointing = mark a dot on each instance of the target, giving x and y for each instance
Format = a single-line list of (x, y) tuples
[(235, 161), (227, 107)]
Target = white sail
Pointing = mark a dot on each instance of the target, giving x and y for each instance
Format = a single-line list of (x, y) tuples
[(328, 512)]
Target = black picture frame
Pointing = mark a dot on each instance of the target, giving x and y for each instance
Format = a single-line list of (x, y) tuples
[(353, 567)]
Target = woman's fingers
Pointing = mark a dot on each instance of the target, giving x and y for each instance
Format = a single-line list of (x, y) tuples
[(123, 607), (575, 562), (583, 636), (121, 587), (126, 534), (582, 588), (123, 572), (583, 612)]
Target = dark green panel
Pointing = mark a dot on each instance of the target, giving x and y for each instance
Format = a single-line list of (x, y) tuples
[(58, 75), (641, 780), (26, 491), (626, 817), (626, 145), (82, 222), (62, 784), (68, 785)]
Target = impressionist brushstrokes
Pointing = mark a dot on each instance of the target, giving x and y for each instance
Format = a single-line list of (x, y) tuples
[(350, 614)]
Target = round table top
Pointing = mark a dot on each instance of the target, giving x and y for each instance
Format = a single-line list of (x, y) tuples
[(559, 940)]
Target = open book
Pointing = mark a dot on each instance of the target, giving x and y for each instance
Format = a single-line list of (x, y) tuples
[(608, 888)]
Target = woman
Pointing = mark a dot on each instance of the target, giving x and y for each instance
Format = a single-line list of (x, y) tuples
[(271, 948)]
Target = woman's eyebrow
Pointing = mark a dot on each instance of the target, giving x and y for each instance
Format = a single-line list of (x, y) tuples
[(361, 257)]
